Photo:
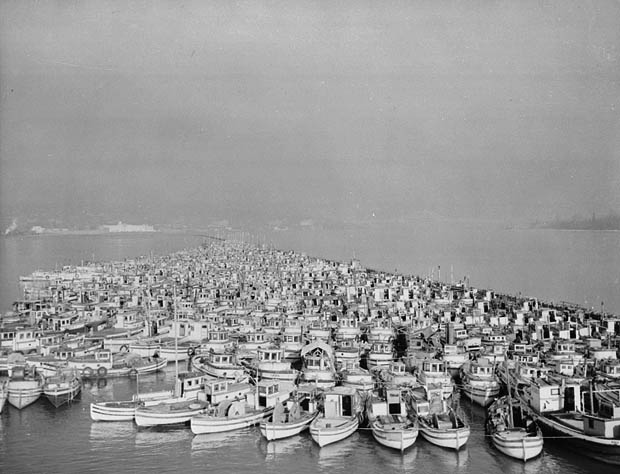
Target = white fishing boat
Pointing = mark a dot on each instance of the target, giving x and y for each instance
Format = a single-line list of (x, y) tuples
[(318, 364), (396, 375), (124, 410), (479, 382), (390, 421), (235, 414), (168, 412), (352, 375), (380, 355), (270, 365), (64, 387), (512, 433), (588, 419), (433, 374), (25, 386), (340, 417), (292, 416), (219, 365), (187, 386), (439, 423)]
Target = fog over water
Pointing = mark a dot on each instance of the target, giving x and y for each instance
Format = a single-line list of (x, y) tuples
[(277, 112)]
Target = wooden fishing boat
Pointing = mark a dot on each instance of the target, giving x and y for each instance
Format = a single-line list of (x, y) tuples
[(292, 416), (64, 387), (340, 417), (270, 365), (232, 414), (438, 422), (168, 412), (25, 386), (219, 365), (512, 433), (187, 386), (318, 364), (479, 382), (390, 420), (445, 429), (587, 418)]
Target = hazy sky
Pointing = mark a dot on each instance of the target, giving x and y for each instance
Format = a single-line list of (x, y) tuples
[(192, 111)]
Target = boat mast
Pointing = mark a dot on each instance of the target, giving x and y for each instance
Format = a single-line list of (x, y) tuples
[(176, 334), (510, 417)]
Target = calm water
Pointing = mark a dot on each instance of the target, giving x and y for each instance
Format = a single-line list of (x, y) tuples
[(574, 266), (41, 438)]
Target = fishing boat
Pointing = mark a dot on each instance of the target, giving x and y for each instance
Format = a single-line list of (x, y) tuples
[(168, 412), (352, 375), (124, 410), (479, 382), (340, 417), (433, 373), (237, 413), (380, 355), (187, 386), (511, 432), (390, 420), (25, 386), (318, 364), (438, 422), (586, 417), (219, 365), (396, 375), (292, 416), (270, 365), (64, 387)]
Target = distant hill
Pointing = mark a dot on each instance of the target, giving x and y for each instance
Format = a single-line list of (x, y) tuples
[(608, 222)]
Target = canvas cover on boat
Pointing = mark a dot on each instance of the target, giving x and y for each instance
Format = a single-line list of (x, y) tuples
[(294, 412), (236, 409), (279, 414), (326, 348)]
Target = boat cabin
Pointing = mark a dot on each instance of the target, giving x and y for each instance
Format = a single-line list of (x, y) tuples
[(610, 369), (550, 396), (219, 390), (270, 355), (341, 402), (433, 366), (189, 384), (482, 369), (393, 404), (267, 394)]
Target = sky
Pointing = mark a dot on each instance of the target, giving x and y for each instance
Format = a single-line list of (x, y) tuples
[(189, 112)]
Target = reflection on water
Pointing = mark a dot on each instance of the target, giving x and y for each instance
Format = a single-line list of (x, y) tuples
[(394, 459), (215, 441), (283, 447), (442, 459), (111, 431), (334, 456), (156, 437)]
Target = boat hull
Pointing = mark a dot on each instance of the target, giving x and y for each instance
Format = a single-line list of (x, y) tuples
[(205, 424), (517, 444), (601, 449), (451, 438), (22, 394), (113, 411), (167, 413), (482, 396), (326, 431), (394, 435), (59, 394), (272, 431)]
